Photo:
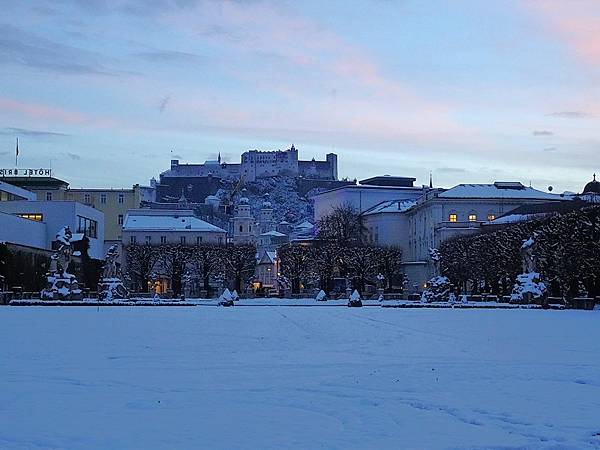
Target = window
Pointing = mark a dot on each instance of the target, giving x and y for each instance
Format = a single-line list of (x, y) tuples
[(491, 217), (32, 216), (132, 240), (472, 217), (198, 240), (182, 240), (241, 228), (220, 240), (163, 239), (120, 219), (88, 227), (453, 217), (121, 198), (48, 196), (148, 240), (103, 198), (87, 199)]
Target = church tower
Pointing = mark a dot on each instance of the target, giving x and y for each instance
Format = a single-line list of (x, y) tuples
[(243, 223)]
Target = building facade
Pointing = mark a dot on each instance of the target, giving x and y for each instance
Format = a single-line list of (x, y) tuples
[(35, 223), (366, 195), (162, 226), (441, 214), (114, 203)]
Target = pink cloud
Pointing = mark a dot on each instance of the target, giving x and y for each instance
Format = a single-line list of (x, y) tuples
[(575, 22), (39, 111), (54, 114)]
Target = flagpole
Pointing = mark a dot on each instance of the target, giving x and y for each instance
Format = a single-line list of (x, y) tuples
[(17, 154)]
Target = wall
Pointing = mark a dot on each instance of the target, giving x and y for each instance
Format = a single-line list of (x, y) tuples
[(111, 208), (360, 197), (173, 237), (17, 230), (57, 214)]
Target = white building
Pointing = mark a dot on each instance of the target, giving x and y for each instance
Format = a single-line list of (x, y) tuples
[(386, 224), (35, 223), (367, 194), (163, 226), (442, 214)]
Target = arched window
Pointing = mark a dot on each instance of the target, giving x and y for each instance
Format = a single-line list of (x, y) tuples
[(472, 217), (453, 217)]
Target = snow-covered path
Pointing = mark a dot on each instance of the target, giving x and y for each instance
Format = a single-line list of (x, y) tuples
[(280, 377)]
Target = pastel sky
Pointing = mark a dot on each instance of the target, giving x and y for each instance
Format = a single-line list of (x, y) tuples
[(106, 91)]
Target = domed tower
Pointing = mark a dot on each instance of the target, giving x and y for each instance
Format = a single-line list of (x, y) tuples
[(591, 191), (265, 216), (243, 230), (593, 187)]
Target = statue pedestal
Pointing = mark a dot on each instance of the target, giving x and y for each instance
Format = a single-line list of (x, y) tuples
[(112, 289), (61, 287)]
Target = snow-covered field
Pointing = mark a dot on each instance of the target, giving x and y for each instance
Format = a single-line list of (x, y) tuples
[(282, 377)]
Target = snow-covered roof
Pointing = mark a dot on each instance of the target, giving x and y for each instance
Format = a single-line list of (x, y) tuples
[(306, 225), (498, 190), (515, 218), (390, 206), (134, 222), (273, 233)]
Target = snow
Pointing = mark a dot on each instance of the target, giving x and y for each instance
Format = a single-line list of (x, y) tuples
[(167, 223), (492, 191), (298, 378), (391, 206)]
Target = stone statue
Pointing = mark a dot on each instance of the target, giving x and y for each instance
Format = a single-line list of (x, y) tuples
[(61, 285), (63, 254), (527, 254), (111, 286), (110, 262)]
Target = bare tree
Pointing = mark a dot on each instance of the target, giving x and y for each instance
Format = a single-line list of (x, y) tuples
[(141, 260)]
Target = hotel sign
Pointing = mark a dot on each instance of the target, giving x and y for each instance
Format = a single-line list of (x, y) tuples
[(6, 173)]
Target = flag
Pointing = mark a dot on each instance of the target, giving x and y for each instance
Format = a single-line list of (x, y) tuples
[(17, 147)]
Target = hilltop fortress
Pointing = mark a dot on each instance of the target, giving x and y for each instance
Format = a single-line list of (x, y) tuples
[(257, 164)]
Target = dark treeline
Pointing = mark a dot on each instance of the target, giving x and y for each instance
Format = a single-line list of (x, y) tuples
[(567, 252), (339, 251), (234, 263)]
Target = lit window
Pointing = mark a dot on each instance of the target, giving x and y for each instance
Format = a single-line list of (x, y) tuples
[(491, 217), (32, 216), (453, 218), (472, 217)]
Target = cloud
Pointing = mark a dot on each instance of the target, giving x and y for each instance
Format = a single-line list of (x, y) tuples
[(176, 156), (162, 104), (549, 149), (19, 47), (451, 170), (543, 133), (575, 23), (13, 131), (169, 56), (571, 114), (73, 156)]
